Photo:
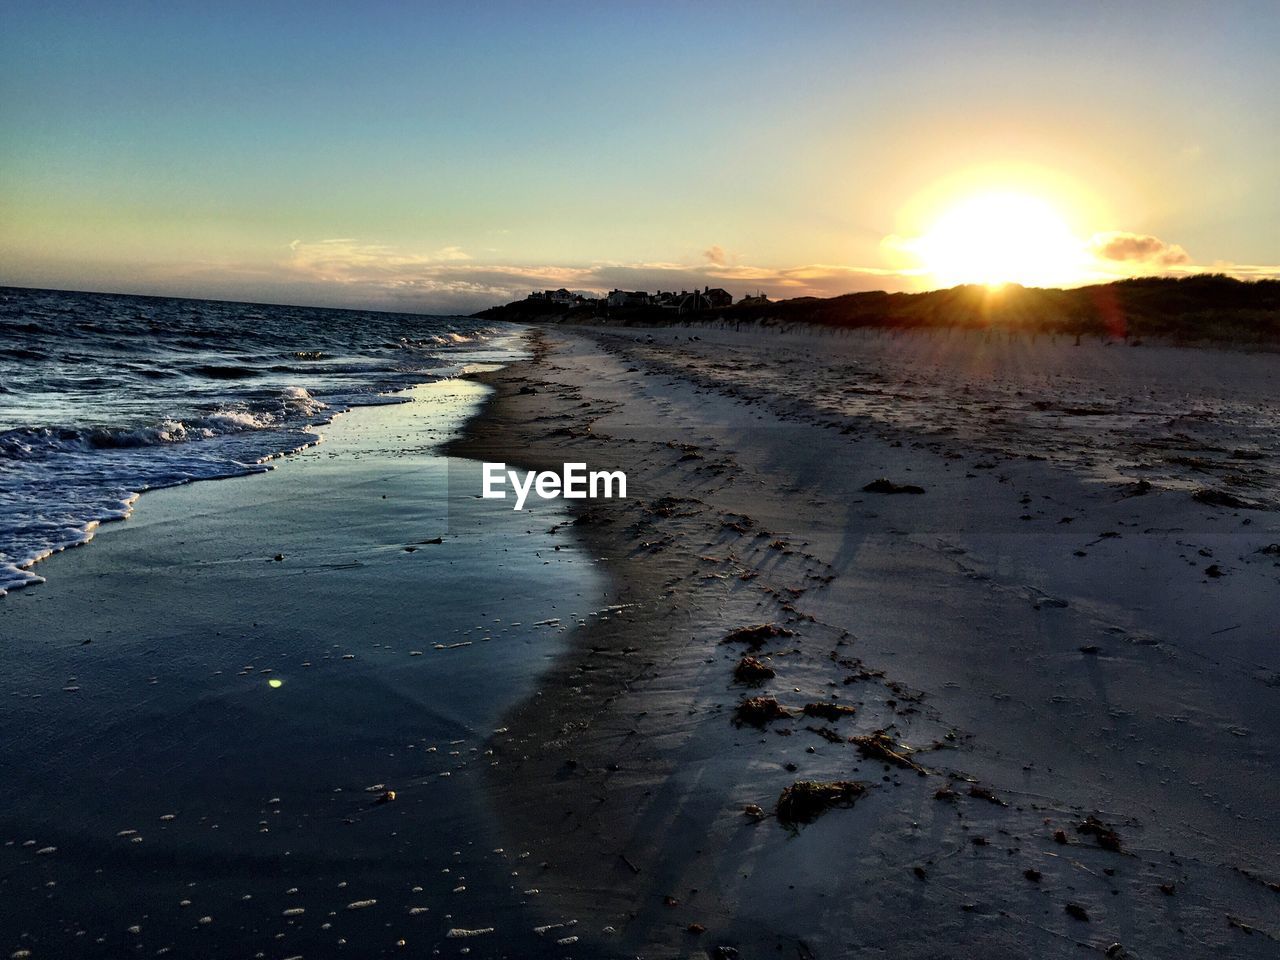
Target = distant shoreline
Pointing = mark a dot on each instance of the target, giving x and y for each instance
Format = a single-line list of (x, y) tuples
[(1205, 307)]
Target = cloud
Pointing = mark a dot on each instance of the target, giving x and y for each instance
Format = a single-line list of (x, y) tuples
[(347, 259), (349, 272), (1142, 247), (352, 273), (449, 280)]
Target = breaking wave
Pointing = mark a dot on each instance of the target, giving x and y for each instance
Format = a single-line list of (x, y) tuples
[(105, 397)]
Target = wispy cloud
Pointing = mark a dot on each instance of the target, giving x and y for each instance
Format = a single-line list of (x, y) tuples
[(348, 260)]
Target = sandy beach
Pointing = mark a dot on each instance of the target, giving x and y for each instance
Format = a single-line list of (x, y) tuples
[(1053, 673), (899, 645), (703, 481)]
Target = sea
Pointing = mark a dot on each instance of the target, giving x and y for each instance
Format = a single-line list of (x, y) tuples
[(106, 396)]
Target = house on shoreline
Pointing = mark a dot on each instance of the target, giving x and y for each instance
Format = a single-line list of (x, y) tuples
[(561, 296), (625, 298), (682, 303), (708, 298)]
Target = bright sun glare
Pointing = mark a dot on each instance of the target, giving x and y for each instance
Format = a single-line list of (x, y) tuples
[(998, 238)]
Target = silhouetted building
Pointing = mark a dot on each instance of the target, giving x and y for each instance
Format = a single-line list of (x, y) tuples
[(625, 298), (717, 297), (706, 299)]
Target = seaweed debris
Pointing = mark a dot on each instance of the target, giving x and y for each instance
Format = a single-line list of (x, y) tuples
[(806, 800), (751, 670), (827, 711), (755, 636), (880, 746), (759, 711), (888, 486)]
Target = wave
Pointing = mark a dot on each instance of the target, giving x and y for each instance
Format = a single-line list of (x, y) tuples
[(30, 443), (216, 371), (23, 353), (62, 482), (103, 397)]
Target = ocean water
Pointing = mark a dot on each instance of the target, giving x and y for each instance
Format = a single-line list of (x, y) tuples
[(103, 397)]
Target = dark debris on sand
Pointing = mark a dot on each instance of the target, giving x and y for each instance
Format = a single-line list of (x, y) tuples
[(880, 746), (982, 793), (884, 485), (827, 711), (1077, 912), (751, 670), (806, 800), (1107, 838), (759, 711), (757, 635)]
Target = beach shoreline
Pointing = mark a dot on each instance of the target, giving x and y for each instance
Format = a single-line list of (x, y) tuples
[(254, 714), (695, 481), (1027, 701), (1061, 733)]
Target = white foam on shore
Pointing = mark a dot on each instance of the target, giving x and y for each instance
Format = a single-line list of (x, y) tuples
[(222, 419)]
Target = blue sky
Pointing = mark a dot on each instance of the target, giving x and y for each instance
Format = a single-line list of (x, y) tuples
[(435, 157)]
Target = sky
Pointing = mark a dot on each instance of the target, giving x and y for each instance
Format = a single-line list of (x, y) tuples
[(442, 157)]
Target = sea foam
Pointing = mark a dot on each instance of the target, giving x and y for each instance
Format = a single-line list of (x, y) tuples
[(105, 397)]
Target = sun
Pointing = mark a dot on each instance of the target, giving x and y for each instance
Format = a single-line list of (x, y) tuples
[(998, 237)]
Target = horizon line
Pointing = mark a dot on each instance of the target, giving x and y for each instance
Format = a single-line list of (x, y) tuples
[(425, 313)]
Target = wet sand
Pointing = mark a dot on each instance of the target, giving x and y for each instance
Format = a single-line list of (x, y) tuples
[(1060, 658), (204, 711)]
